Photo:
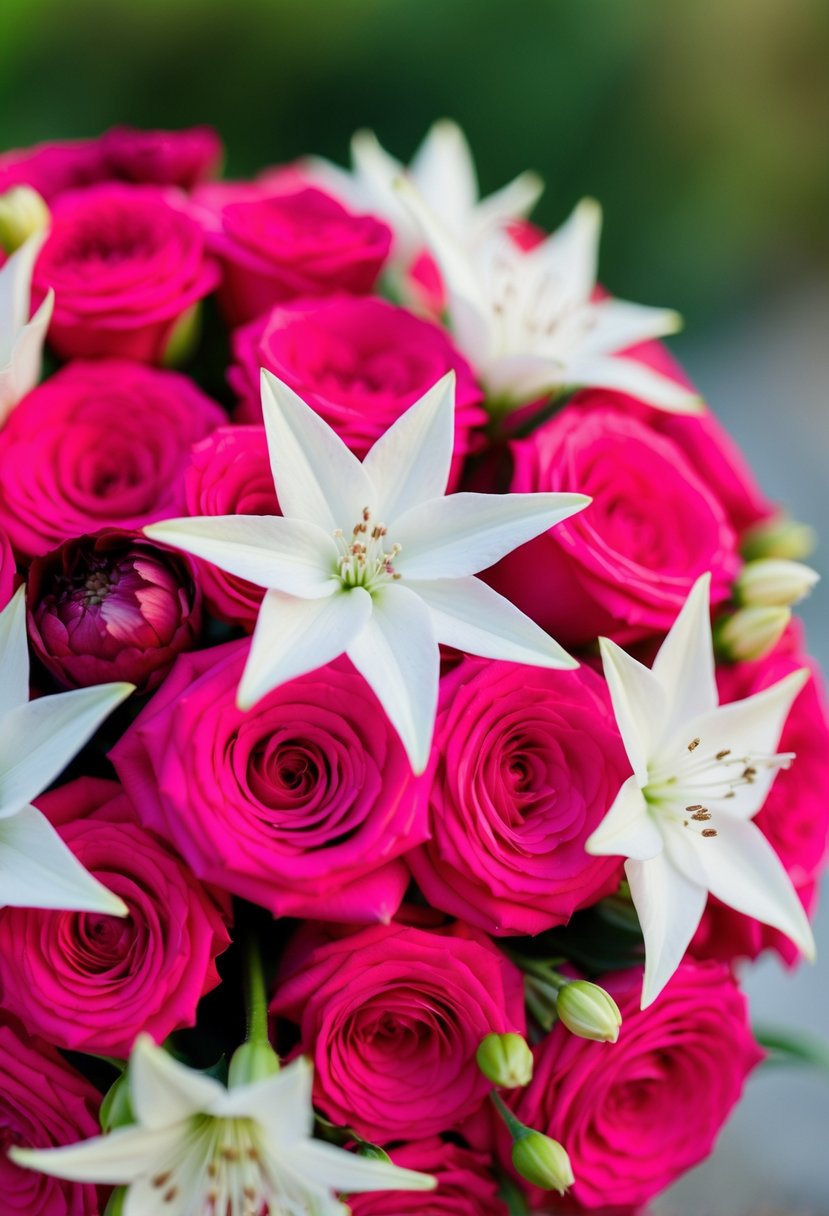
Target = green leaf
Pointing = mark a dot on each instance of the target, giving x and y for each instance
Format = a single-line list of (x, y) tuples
[(792, 1048)]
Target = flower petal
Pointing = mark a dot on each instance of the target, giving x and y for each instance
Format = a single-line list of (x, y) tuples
[(397, 654), (635, 380), (293, 636), (164, 1092), (120, 1157), (443, 171), (37, 870), (684, 665), (330, 1166), (470, 616), (16, 284), (742, 870), (459, 535), (282, 554), (639, 703), (669, 907), (569, 256), (515, 199), (14, 654), (39, 739), (627, 830), (409, 463), (618, 324), (22, 372), (317, 478)]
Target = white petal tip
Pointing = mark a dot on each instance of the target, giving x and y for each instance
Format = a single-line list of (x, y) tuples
[(117, 907)]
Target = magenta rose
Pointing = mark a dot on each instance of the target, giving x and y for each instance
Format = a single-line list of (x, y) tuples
[(90, 982), (43, 1104), (624, 566), (635, 1115), (359, 362), (99, 444), (303, 803), (287, 245), (528, 763), (466, 1186), (112, 606), (794, 817), (126, 263), (7, 569), (230, 474), (392, 1017)]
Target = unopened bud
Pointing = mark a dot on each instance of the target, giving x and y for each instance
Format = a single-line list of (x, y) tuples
[(750, 633), (373, 1152), (116, 1108), (780, 537), (253, 1061), (22, 213), (184, 337), (542, 1161), (588, 1011), (117, 1202), (505, 1060), (775, 582)]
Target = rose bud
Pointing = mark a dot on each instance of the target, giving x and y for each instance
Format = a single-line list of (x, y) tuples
[(505, 1060), (112, 606)]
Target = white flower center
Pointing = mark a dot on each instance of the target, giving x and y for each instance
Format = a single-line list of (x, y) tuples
[(686, 786), (366, 557)]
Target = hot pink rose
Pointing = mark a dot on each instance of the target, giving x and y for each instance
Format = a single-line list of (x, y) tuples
[(112, 606), (528, 763), (7, 570), (624, 566), (794, 817), (162, 158), (101, 444), (303, 804), (635, 1115), (466, 1186), (392, 1017), (125, 262), (90, 982), (230, 474), (359, 362), (43, 1104), (293, 244)]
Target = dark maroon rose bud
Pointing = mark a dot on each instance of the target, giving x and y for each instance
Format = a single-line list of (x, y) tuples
[(112, 606)]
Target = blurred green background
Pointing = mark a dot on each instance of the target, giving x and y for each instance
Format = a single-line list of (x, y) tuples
[(702, 127)]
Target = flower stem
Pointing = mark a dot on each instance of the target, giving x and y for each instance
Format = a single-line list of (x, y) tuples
[(514, 1126), (256, 996)]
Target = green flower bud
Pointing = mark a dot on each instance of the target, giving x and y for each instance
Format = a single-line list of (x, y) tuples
[(750, 633), (373, 1152), (22, 213), (116, 1108), (184, 337), (253, 1061), (505, 1060), (117, 1201), (542, 1161), (588, 1011), (774, 581), (780, 537)]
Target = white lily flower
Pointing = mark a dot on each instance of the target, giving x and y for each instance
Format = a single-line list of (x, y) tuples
[(442, 171), (371, 560), (21, 339), (198, 1148), (527, 320), (37, 741), (701, 771)]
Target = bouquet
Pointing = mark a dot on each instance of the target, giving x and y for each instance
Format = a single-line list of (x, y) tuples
[(405, 733)]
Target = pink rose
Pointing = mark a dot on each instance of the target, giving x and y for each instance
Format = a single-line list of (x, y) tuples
[(90, 982), (794, 817), (125, 262), (392, 1017), (288, 245), (230, 474), (161, 158), (359, 362), (466, 1186), (303, 804), (624, 566), (112, 606), (43, 1104), (635, 1115), (528, 763), (101, 444), (7, 570)]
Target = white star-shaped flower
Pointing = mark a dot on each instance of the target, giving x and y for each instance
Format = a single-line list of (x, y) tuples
[(701, 771), (528, 320), (21, 339), (371, 560), (443, 173), (37, 741), (198, 1148)]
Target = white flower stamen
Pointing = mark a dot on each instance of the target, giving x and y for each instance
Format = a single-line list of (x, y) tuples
[(366, 560)]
